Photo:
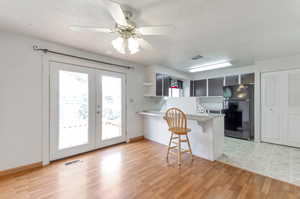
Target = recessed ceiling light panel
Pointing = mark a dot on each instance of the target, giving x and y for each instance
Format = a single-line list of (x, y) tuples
[(210, 66)]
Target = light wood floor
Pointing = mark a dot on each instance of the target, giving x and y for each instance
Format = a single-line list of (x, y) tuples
[(139, 170)]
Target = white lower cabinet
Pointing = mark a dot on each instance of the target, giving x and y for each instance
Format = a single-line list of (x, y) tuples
[(280, 94)]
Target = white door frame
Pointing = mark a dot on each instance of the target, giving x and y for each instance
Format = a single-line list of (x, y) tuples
[(46, 61)]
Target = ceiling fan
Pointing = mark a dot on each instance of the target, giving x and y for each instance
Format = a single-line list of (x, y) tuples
[(130, 36)]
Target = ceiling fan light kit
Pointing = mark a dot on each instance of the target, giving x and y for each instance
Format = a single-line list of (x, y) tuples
[(124, 46), (130, 36), (127, 42)]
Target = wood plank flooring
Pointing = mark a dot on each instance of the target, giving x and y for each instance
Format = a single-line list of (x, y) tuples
[(138, 170)]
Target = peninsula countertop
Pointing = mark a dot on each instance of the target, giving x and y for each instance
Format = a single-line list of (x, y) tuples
[(198, 116), (206, 136)]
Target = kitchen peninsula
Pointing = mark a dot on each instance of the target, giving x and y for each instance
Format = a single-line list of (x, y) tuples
[(206, 136)]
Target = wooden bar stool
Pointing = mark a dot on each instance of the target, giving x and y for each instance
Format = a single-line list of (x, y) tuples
[(177, 123)]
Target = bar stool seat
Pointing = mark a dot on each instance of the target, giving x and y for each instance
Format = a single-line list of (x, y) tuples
[(181, 131), (177, 123)]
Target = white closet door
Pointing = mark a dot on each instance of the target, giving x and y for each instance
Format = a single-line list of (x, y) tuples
[(271, 106), (293, 109)]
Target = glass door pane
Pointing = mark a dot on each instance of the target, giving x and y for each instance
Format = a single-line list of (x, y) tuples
[(111, 107), (73, 109)]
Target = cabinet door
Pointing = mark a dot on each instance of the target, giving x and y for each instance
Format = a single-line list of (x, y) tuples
[(159, 84), (231, 80), (200, 87), (247, 78), (293, 109), (215, 86), (271, 107), (166, 85), (192, 88)]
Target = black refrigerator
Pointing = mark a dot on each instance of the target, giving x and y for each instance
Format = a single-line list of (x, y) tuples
[(239, 111)]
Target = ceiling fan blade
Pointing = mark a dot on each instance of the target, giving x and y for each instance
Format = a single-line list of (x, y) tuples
[(156, 30), (90, 29), (116, 12), (145, 44)]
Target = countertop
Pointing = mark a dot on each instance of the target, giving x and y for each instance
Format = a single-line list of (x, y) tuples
[(199, 117)]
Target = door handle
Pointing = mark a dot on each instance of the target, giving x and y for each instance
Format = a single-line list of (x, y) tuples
[(98, 109)]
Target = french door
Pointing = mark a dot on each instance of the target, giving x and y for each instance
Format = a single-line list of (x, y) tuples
[(87, 109)]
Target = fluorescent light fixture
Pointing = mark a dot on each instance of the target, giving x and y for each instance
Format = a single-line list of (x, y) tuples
[(210, 66)]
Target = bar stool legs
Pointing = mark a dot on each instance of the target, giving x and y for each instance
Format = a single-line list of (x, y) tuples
[(169, 147), (178, 147), (189, 145), (179, 150)]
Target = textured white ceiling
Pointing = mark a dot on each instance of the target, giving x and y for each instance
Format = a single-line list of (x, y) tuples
[(240, 30)]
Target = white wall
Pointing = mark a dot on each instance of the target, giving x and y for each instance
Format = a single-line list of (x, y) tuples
[(171, 72), (21, 92), (186, 104), (223, 72)]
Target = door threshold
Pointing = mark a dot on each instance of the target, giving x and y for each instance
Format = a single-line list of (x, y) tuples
[(77, 156)]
